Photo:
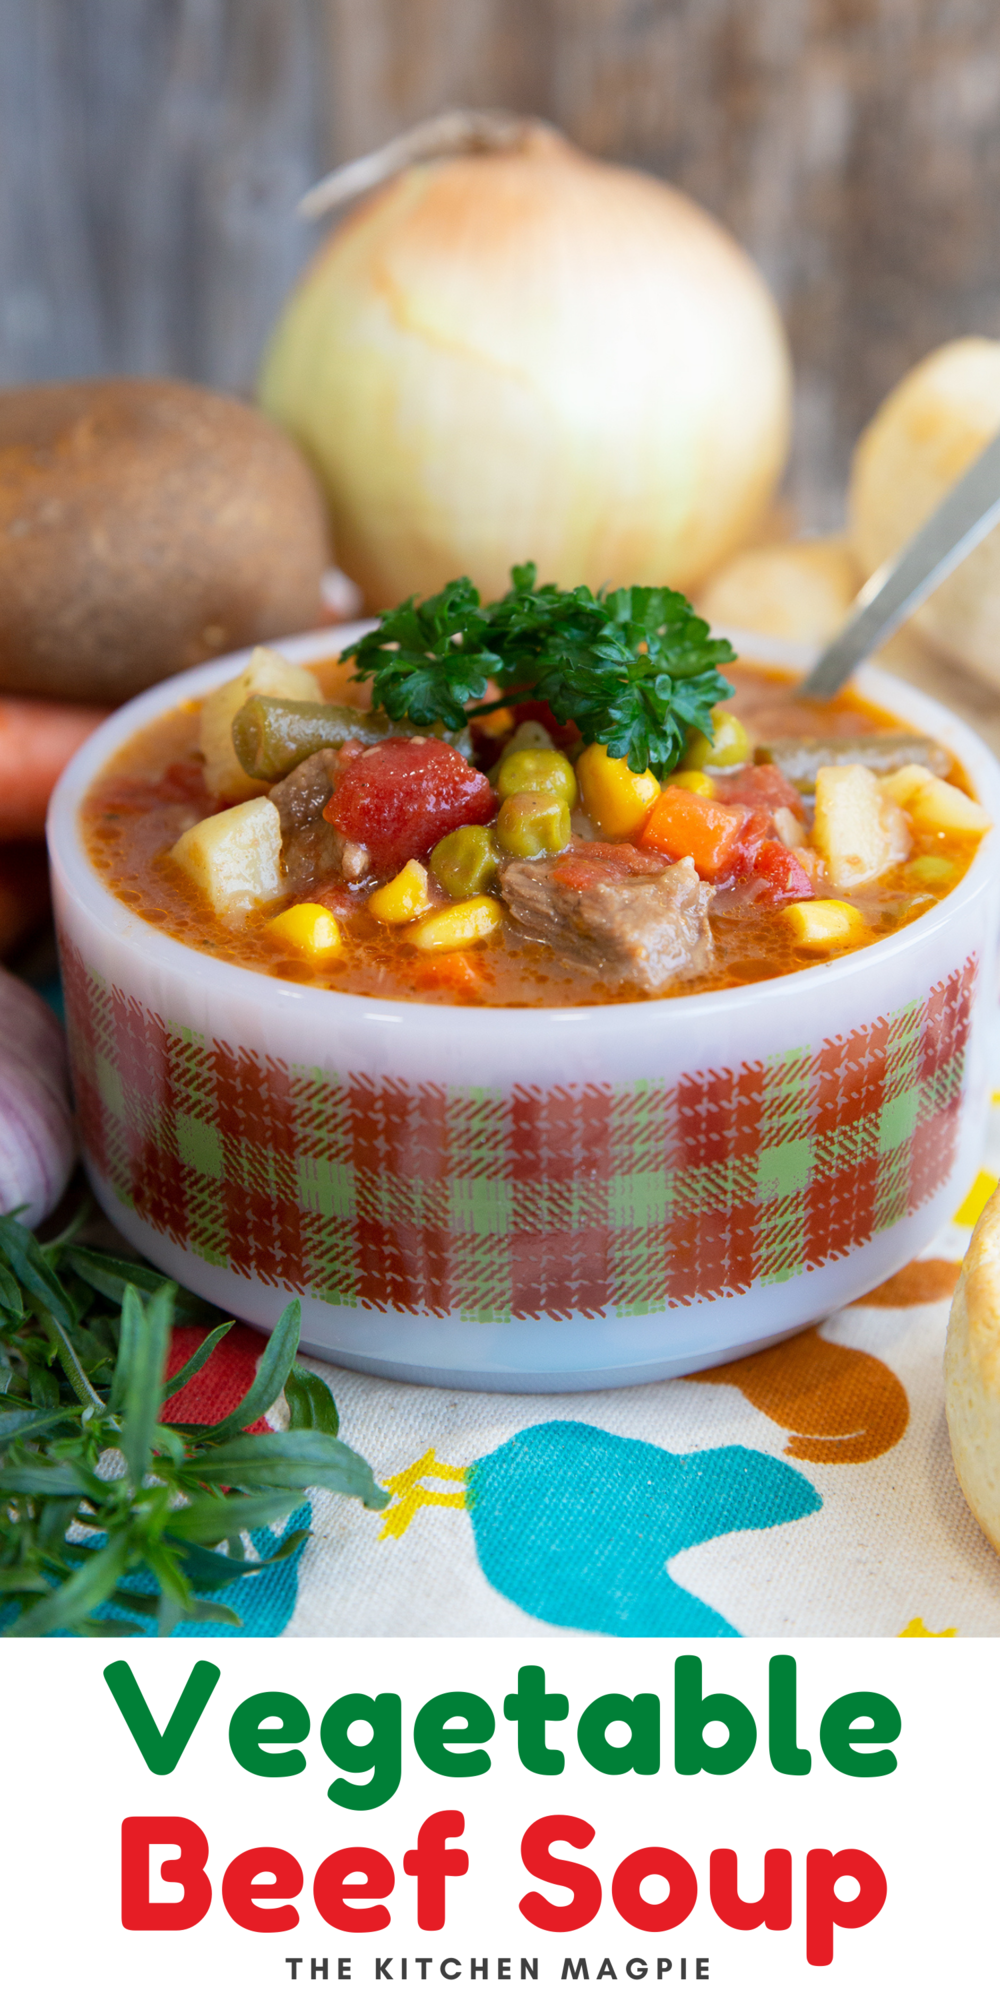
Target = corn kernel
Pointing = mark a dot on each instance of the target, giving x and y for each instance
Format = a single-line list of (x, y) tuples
[(402, 899), (457, 928), (537, 771), (825, 925), (730, 744), (616, 799), (309, 928), (694, 781)]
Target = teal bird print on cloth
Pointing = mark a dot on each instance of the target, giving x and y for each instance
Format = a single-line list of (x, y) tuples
[(577, 1526)]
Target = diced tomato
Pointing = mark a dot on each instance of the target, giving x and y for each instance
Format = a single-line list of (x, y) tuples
[(774, 875), (591, 861), (684, 823), (401, 797), (761, 785)]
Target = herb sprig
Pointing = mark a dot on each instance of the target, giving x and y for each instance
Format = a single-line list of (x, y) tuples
[(634, 669), (82, 1531)]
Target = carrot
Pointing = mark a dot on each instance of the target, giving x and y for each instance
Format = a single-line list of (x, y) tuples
[(683, 823), (37, 740), (454, 969)]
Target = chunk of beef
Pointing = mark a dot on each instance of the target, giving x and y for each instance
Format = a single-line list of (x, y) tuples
[(310, 847), (628, 915)]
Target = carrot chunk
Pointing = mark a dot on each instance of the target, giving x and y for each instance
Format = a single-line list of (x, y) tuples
[(683, 823)]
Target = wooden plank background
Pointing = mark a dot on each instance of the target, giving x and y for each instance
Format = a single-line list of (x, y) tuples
[(151, 152)]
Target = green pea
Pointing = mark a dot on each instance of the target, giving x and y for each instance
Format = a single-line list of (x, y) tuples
[(933, 869), (537, 771), (730, 744), (533, 823), (465, 862)]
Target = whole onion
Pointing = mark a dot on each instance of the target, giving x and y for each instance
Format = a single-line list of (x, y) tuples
[(37, 1144), (528, 353)]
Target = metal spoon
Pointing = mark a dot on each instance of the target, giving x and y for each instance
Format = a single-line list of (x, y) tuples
[(965, 516)]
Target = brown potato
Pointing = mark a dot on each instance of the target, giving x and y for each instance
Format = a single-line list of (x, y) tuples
[(146, 526)]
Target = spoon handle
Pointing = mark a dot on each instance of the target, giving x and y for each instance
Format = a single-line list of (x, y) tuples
[(966, 514)]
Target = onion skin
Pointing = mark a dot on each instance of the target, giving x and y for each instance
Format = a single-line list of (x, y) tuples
[(532, 354), (37, 1140)]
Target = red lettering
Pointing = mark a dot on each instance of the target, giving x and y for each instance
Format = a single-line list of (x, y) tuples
[(548, 1867), (773, 1910), (336, 1899), (242, 1894), (824, 1907), (432, 1861), (138, 1836), (682, 1889)]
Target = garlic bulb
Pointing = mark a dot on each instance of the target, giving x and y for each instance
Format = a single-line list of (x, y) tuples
[(922, 438), (37, 1143), (528, 353)]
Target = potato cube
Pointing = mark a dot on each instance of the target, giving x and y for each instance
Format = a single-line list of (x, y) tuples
[(859, 832), (901, 785), (937, 807), (823, 926), (266, 673), (309, 928), (462, 925), (234, 857), (403, 898)]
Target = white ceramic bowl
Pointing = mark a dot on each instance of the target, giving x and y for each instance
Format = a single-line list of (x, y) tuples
[(527, 1199)]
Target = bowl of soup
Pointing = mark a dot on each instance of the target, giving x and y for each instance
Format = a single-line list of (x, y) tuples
[(642, 1120)]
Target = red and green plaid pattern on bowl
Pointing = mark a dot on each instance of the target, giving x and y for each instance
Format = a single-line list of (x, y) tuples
[(375, 1191)]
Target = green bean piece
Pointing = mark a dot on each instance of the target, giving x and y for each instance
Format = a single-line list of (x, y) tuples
[(271, 736), (537, 771), (465, 862), (533, 823), (881, 751)]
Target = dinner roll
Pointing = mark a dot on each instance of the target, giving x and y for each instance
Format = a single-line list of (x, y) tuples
[(925, 435), (972, 1373), (146, 526), (795, 590)]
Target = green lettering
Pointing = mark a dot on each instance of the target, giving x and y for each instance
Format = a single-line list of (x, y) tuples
[(839, 1731), (782, 1716), (642, 1751), (433, 1732), (382, 1756), (531, 1708), (248, 1736), (692, 1714), (163, 1753)]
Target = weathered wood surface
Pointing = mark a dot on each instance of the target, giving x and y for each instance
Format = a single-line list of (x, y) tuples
[(151, 152), (852, 145), (151, 155)]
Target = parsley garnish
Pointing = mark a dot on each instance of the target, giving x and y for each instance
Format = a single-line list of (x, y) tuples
[(87, 1540), (634, 669)]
